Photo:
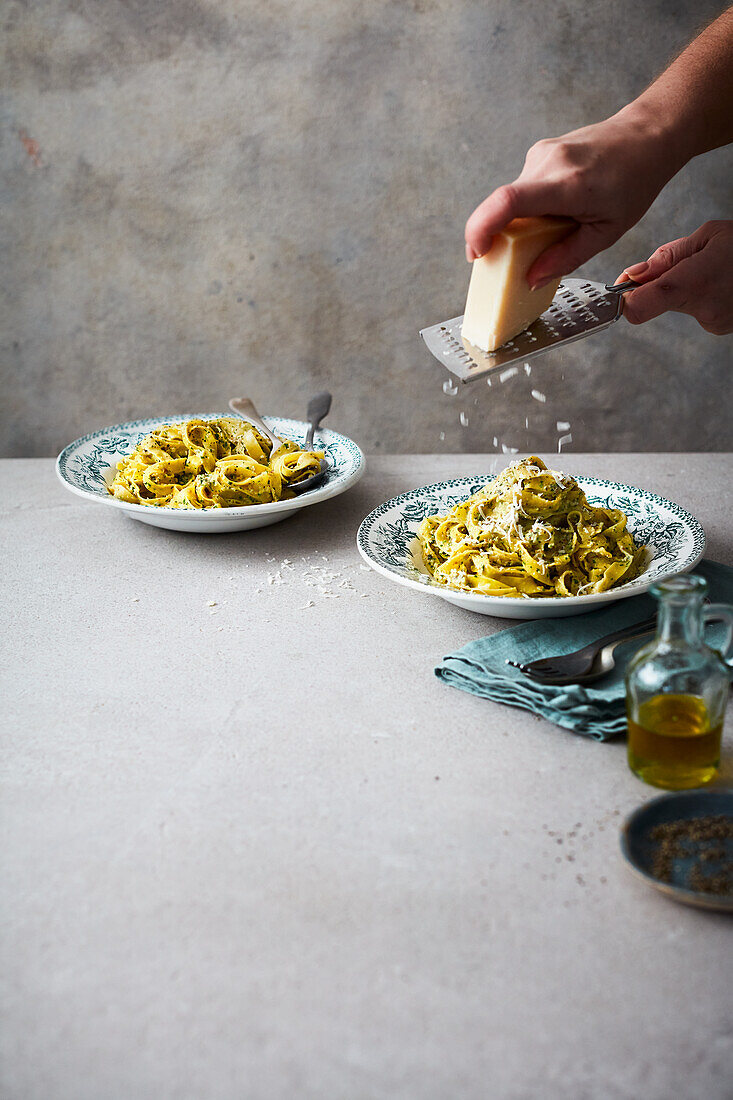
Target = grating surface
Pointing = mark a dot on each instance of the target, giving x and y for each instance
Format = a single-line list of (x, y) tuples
[(579, 308)]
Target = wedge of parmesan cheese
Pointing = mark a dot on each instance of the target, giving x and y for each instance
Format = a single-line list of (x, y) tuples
[(500, 303)]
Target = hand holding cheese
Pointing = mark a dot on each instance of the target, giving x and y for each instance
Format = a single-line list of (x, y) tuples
[(500, 301), (606, 176), (603, 176)]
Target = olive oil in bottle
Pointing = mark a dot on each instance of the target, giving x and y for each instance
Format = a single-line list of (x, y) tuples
[(672, 743), (677, 689)]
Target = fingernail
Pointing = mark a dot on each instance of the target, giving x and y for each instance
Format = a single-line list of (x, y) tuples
[(539, 283), (636, 269)]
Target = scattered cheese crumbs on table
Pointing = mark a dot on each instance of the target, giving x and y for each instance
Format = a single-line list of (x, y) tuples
[(211, 603), (539, 396), (135, 599), (306, 605)]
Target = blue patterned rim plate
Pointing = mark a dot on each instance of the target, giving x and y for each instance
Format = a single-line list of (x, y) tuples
[(639, 846), (387, 541), (88, 464)]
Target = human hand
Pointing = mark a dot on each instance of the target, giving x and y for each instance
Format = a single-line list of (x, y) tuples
[(691, 275), (604, 176)]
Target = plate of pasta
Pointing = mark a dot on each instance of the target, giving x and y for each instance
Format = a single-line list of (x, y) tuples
[(209, 473), (530, 542)]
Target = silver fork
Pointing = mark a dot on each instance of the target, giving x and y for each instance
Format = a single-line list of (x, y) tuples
[(583, 665), (589, 663), (318, 408)]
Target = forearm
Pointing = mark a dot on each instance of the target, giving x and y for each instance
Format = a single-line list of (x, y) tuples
[(607, 175), (688, 108)]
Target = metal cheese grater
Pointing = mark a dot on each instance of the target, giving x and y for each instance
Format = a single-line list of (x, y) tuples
[(578, 308)]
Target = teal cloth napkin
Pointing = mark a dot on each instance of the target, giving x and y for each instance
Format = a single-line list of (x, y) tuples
[(597, 710)]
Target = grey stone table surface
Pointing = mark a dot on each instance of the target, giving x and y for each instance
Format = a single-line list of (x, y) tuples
[(252, 847)]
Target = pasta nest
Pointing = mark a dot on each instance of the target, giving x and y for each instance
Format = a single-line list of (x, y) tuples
[(530, 532), (223, 463)]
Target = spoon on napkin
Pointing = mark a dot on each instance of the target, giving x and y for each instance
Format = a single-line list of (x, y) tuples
[(585, 665)]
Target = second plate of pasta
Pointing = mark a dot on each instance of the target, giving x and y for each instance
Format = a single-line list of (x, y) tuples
[(430, 539), (195, 473)]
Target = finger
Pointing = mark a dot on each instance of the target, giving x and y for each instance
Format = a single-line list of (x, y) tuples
[(562, 258), (513, 200), (636, 272), (679, 289), (664, 258)]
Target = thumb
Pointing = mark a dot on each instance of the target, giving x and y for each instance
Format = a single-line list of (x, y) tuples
[(513, 200), (678, 288), (665, 258)]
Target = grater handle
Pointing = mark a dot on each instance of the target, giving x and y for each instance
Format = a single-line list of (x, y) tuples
[(619, 288)]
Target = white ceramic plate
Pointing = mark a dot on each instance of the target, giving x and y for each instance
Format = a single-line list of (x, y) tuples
[(387, 541), (87, 466)]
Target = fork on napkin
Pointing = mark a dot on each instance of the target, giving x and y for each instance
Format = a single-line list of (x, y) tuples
[(597, 710)]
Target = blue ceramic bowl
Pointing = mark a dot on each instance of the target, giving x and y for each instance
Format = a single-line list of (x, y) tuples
[(640, 848)]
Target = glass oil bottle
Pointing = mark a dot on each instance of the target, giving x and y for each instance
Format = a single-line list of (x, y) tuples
[(677, 690)]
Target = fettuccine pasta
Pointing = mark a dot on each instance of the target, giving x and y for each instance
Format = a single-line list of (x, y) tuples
[(531, 532), (224, 463)]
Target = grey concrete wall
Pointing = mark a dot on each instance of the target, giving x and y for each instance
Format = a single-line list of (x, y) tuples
[(209, 197)]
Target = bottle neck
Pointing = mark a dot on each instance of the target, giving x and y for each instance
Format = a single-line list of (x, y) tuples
[(679, 621)]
